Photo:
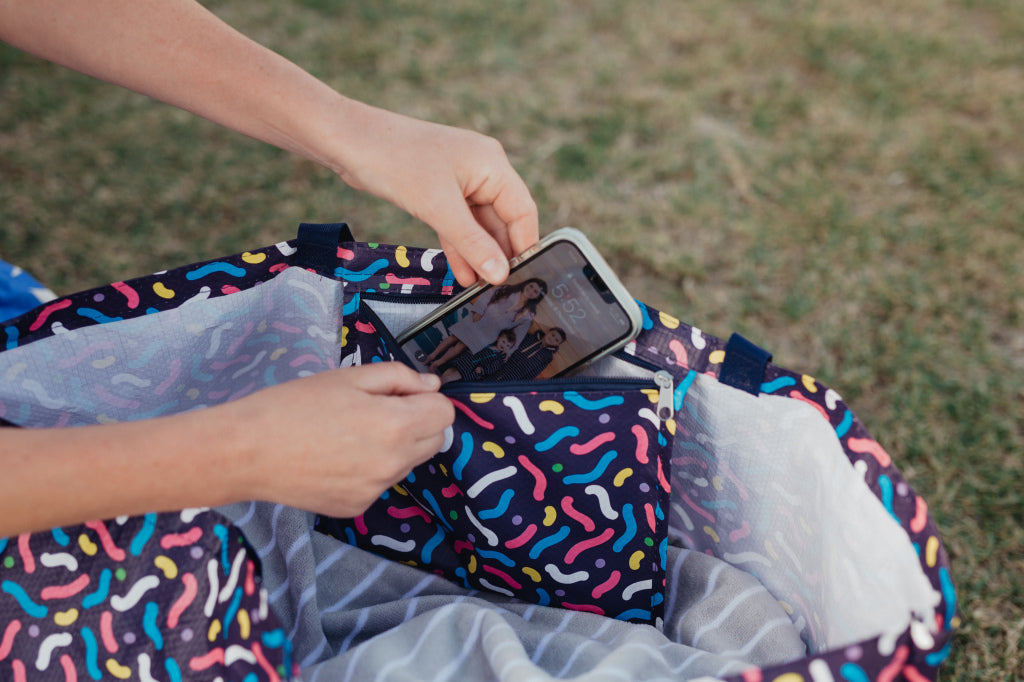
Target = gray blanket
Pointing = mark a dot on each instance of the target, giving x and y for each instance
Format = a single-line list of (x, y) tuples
[(354, 616)]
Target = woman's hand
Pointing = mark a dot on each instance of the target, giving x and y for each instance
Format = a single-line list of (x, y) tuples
[(458, 182), (333, 442)]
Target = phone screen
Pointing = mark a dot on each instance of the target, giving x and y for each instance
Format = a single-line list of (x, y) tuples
[(553, 314)]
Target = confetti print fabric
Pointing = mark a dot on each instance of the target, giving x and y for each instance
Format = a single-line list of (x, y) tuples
[(155, 597), (557, 498), (787, 486)]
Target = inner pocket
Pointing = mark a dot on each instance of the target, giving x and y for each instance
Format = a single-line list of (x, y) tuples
[(553, 492)]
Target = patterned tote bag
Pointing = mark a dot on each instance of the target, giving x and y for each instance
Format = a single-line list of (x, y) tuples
[(561, 493)]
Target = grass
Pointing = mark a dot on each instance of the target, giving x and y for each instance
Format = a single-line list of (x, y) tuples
[(839, 181)]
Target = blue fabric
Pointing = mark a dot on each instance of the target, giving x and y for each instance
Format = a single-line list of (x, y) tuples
[(744, 365), (20, 292)]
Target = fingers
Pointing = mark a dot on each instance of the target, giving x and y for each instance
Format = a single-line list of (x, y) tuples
[(495, 219), (487, 217), (477, 251), (512, 212), (463, 271), (391, 378)]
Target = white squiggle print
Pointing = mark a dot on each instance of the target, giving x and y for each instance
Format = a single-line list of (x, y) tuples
[(637, 587), (566, 579), (519, 412), (427, 259), (59, 639), (126, 378), (392, 543), (123, 603), (493, 477), (36, 389), (602, 500), (492, 539), (64, 559)]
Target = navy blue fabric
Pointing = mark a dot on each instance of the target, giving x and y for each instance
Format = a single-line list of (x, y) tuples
[(744, 365), (317, 245)]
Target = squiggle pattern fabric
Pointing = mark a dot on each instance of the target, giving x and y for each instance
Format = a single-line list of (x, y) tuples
[(168, 596), (739, 509), (557, 498)]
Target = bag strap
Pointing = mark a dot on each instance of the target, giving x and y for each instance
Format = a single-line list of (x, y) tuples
[(744, 365), (317, 245)]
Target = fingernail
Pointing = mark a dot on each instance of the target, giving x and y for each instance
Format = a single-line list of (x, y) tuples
[(494, 270), (431, 381)]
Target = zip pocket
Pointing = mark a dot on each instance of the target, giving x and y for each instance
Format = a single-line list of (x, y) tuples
[(660, 387), (552, 491)]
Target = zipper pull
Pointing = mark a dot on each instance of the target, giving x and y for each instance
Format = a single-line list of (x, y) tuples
[(666, 394)]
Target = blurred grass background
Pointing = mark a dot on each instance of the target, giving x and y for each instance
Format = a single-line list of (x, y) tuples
[(839, 181)]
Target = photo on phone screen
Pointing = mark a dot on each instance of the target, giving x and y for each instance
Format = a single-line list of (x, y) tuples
[(555, 312)]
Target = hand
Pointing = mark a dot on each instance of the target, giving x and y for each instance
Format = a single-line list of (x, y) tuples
[(457, 181), (333, 442)]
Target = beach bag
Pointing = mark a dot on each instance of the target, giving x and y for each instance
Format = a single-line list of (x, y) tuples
[(565, 493)]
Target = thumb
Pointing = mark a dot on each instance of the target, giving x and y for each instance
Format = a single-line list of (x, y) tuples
[(470, 248), (392, 378)]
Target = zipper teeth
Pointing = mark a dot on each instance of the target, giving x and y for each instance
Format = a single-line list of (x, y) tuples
[(406, 299), (543, 385)]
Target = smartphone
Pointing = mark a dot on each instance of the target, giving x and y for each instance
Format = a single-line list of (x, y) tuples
[(561, 308)]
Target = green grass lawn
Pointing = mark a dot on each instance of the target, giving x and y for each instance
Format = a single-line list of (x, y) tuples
[(839, 181)]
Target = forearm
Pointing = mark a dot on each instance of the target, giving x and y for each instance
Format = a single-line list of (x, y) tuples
[(178, 52), (54, 477)]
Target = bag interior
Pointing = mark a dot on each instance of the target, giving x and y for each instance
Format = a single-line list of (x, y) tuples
[(761, 482)]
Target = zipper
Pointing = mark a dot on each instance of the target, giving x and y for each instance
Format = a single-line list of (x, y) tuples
[(662, 380), (666, 395), (406, 299)]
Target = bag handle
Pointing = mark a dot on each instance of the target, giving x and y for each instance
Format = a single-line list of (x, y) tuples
[(744, 365), (317, 245)]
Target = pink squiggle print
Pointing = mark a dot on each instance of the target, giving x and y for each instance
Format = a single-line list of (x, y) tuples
[(586, 521), (740, 533), (169, 381), (112, 550), (584, 607), (652, 521), (584, 545), (81, 355), (641, 443), (189, 537), (65, 591), (480, 421), (411, 281), (679, 351), (503, 575), (45, 313), (107, 632), (920, 520), (184, 601), (612, 581), (593, 444), (7, 643), (692, 505), (130, 294), (523, 538), (799, 396), (408, 512), (233, 348), (541, 481), (867, 445), (117, 401), (26, 553)]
